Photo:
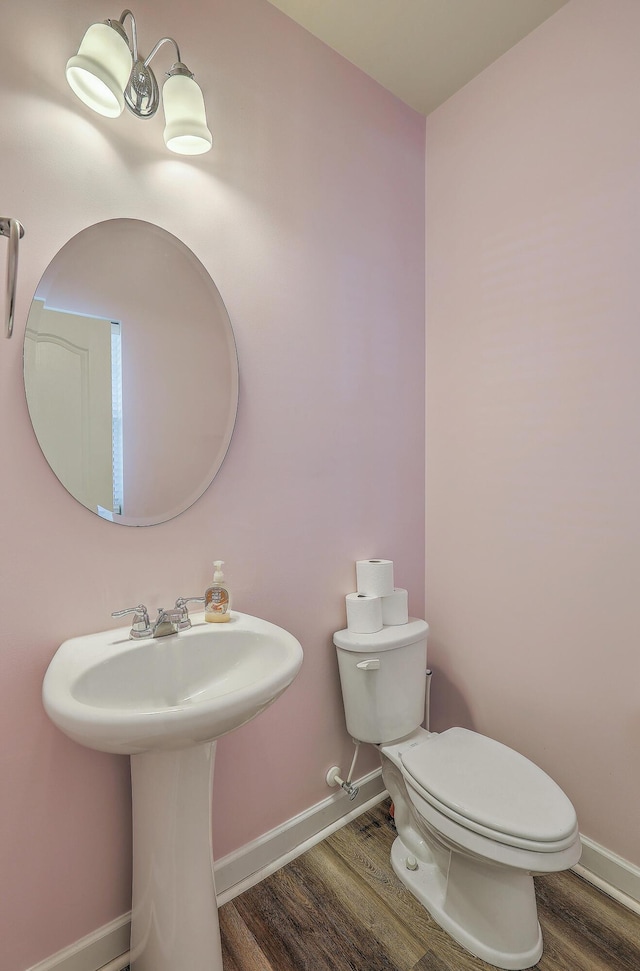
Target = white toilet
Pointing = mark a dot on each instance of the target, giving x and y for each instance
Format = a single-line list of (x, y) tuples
[(474, 818)]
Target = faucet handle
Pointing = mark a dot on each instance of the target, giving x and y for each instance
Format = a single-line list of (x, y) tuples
[(140, 626), (181, 605)]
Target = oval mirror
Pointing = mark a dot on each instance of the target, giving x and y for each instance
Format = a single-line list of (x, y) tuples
[(131, 372)]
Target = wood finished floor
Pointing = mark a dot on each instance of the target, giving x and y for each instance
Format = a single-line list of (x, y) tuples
[(340, 907)]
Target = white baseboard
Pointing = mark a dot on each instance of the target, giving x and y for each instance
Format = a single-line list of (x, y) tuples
[(107, 948), (93, 951), (611, 873)]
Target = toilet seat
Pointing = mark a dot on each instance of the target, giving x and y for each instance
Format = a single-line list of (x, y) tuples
[(491, 790)]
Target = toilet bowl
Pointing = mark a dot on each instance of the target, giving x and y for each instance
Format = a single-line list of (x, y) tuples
[(474, 818)]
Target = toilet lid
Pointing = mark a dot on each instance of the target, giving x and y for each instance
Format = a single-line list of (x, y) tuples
[(489, 784)]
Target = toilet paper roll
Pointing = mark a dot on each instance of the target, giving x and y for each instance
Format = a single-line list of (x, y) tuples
[(364, 613), (395, 608), (375, 577)]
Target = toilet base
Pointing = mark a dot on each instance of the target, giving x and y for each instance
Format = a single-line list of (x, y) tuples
[(489, 910)]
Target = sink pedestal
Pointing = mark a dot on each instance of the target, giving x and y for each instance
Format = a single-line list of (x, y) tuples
[(174, 924)]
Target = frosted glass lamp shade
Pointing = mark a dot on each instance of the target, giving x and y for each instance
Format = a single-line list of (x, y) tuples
[(100, 70), (186, 129)]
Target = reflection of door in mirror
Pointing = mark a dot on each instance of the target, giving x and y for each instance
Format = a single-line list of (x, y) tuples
[(70, 364)]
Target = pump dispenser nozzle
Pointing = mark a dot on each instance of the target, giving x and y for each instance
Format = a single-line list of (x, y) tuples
[(218, 575)]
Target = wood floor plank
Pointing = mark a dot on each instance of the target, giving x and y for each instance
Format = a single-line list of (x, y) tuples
[(365, 908), (431, 962), (294, 917), (577, 919), (365, 849), (240, 950), (447, 955), (590, 909)]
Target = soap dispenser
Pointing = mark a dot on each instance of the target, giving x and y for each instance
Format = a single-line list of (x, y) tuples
[(216, 598)]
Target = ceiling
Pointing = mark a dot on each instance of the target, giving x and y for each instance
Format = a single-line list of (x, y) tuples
[(421, 50)]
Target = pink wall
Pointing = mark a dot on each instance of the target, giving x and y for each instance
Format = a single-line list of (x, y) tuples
[(309, 215), (533, 450)]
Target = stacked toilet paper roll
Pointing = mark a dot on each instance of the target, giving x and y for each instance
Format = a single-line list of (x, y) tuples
[(395, 608), (374, 577), (364, 613), (377, 603)]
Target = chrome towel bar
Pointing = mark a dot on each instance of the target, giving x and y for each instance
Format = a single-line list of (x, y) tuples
[(15, 231)]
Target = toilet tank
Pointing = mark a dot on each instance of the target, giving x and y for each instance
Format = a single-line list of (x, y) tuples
[(383, 678)]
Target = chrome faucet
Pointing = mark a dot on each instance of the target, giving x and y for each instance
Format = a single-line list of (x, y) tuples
[(167, 622)]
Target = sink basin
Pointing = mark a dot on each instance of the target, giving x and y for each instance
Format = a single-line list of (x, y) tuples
[(125, 696)]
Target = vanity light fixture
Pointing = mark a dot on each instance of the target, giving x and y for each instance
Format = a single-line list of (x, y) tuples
[(108, 73)]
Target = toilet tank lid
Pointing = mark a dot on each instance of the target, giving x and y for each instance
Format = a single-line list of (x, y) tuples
[(387, 639)]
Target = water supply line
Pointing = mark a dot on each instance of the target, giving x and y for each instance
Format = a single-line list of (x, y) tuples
[(333, 776), (427, 700), (353, 763)]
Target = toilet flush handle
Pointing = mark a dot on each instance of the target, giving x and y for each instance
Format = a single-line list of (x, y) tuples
[(371, 664)]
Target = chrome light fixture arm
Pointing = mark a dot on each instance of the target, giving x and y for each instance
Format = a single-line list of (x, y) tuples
[(166, 40), (119, 26)]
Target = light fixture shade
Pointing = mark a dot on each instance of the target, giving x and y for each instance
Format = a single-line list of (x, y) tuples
[(186, 129), (99, 72)]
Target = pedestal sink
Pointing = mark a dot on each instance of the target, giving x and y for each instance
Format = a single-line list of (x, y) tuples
[(164, 702)]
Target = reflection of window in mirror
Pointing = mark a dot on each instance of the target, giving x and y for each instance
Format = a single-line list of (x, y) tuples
[(116, 418)]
